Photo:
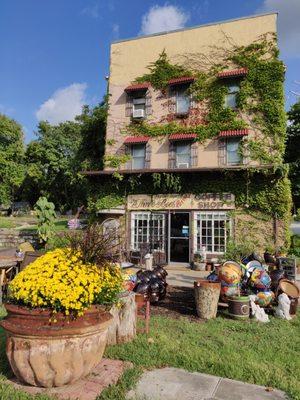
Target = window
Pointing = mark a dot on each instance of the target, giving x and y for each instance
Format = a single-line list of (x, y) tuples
[(139, 107), (182, 100), (233, 155), (149, 228), (230, 97), (213, 229), (183, 154), (138, 153)]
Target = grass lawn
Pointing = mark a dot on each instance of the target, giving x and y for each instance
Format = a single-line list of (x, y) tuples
[(30, 223), (264, 354), (268, 354)]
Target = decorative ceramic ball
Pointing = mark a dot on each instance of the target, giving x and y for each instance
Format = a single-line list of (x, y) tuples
[(230, 273), (265, 298)]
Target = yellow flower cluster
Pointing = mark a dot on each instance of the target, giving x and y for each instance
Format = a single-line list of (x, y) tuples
[(61, 281)]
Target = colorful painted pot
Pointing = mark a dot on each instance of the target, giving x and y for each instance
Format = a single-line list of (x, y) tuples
[(264, 299), (260, 279), (228, 290), (230, 273)]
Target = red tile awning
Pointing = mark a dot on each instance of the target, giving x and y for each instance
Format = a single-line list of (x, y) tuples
[(183, 79), (136, 139), (233, 73), (183, 136), (137, 86), (232, 133)]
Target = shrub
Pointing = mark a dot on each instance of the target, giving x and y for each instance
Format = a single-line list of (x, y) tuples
[(45, 212)]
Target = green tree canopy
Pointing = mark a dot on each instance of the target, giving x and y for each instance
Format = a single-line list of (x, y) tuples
[(292, 155), (11, 159), (54, 160)]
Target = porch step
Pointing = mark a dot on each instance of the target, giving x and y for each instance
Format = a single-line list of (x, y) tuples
[(177, 267)]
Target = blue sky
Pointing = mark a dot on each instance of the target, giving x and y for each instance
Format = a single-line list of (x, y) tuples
[(55, 53)]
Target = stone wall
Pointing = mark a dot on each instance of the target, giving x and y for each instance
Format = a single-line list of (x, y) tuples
[(13, 238)]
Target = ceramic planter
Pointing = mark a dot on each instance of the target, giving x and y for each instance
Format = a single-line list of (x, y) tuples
[(199, 266), (46, 354)]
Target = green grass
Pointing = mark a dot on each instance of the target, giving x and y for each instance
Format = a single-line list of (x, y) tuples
[(29, 223), (264, 354)]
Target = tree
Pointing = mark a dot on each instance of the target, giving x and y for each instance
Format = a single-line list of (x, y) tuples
[(11, 159), (292, 154), (54, 160)]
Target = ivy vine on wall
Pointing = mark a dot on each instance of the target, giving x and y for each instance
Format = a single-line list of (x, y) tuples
[(260, 98)]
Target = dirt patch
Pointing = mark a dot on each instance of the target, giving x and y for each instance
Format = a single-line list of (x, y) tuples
[(179, 302)]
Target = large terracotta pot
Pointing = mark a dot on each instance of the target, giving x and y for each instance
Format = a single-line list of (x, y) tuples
[(47, 354)]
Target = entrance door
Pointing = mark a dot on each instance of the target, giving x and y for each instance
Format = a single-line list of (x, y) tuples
[(179, 237)]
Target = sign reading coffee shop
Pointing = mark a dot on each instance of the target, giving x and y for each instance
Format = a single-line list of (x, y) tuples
[(204, 201)]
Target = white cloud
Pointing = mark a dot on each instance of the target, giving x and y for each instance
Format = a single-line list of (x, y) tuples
[(163, 18), (91, 11), (116, 30), (6, 110), (64, 104), (288, 24)]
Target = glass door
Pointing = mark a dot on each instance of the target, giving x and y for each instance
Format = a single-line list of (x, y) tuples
[(179, 237)]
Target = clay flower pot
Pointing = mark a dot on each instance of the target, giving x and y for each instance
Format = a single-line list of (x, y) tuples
[(48, 354)]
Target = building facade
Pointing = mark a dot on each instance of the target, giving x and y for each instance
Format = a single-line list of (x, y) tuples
[(194, 141)]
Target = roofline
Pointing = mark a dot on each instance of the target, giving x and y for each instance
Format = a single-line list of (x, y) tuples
[(194, 27)]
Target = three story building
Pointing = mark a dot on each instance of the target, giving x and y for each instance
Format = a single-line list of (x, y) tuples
[(194, 141)]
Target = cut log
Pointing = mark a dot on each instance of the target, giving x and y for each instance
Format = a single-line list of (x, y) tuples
[(123, 327)]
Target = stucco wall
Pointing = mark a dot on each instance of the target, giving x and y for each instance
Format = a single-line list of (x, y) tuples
[(129, 59)]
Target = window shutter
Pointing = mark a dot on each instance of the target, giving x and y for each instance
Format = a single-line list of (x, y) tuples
[(222, 152), (192, 101), (129, 106), (172, 100), (194, 154), (148, 156), (148, 103), (129, 162), (172, 155)]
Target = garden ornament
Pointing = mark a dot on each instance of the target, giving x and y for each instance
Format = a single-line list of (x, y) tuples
[(283, 309), (257, 312)]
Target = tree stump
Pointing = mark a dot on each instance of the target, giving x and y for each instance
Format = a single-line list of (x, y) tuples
[(123, 327), (207, 296)]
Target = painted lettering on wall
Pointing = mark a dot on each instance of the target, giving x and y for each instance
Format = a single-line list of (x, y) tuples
[(205, 201)]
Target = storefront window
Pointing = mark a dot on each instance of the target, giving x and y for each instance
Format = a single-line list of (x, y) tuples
[(213, 229), (147, 227)]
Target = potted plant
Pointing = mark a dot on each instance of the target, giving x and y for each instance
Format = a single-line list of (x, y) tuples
[(199, 263), (58, 315)]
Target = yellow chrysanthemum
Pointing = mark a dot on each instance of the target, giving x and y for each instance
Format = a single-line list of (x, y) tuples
[(59, 280)]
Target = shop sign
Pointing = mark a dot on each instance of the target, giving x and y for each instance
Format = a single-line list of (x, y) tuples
[(204, 201)]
